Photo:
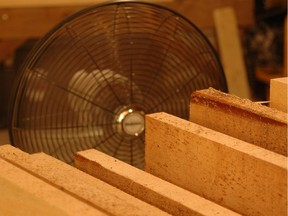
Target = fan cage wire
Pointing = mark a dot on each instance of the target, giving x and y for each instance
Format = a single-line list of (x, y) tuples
[(190, 34)]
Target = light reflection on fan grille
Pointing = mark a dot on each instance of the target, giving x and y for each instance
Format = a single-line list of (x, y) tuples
[(103, 59)]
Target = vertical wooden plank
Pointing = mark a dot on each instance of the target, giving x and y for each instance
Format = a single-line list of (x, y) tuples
[(231, 52), (243, 177)]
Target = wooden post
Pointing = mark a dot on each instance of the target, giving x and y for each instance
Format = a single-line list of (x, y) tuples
[(231, 52)]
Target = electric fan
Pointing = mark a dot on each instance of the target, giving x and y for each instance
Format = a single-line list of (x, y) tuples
[(90, 81)]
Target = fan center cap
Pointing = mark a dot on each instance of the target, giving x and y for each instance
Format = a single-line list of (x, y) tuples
[(131, 121)]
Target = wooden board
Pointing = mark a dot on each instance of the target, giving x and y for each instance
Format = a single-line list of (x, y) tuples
[(240, 118), (33, 19), (231, 52), (79, 184), (146, 187), (55, 3), (243, 177), (16, 201), (23, 193), (278, 94)]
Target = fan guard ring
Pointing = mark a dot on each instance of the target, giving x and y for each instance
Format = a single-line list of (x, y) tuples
[(90, 81)]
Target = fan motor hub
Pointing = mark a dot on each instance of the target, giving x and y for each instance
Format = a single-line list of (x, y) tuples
[(130, 122)]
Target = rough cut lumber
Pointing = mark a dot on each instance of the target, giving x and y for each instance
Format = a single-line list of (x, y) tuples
[(278, 93), (240, 118), (79, 184), (23, 193), (146, 187), (240, 176), (231, 52)]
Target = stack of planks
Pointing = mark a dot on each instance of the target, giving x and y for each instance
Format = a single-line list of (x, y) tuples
[(229, 159), (233, 151)]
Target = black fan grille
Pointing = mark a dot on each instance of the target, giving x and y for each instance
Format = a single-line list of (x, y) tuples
[(100, 62)]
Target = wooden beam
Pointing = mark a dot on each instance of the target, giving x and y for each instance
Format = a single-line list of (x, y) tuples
[(56, 3), (23, 193), (51, 3), (231, 52), (33, 19), (240, 118), (146, 187), (79, 184), (235, 174), (279, 95)]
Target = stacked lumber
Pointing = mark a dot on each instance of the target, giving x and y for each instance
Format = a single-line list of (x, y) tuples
[(233, 173), (232, 151), (69, 190), (40, 184), (214, 164)]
